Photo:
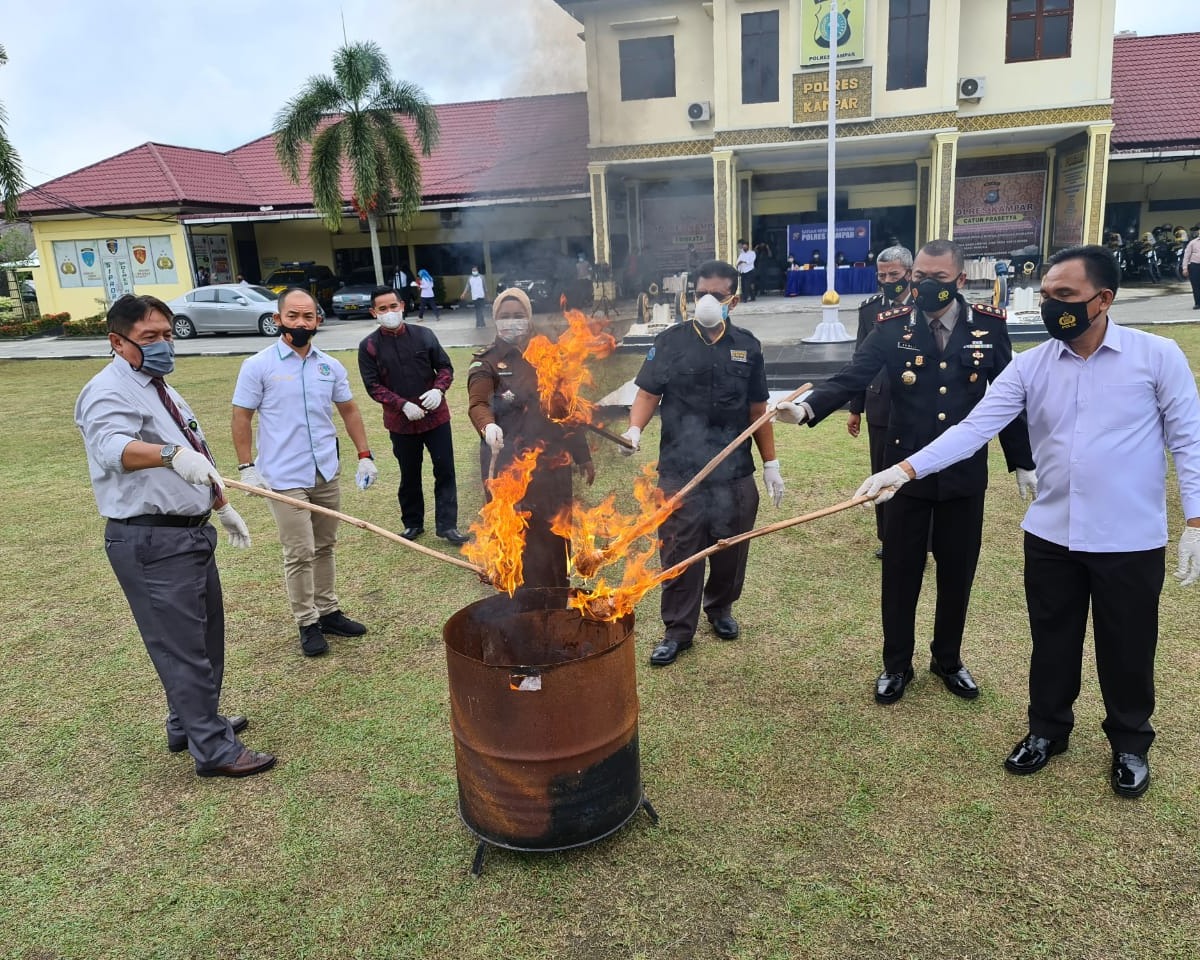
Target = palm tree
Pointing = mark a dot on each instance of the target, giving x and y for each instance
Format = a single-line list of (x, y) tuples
[(351, 117), (11, 180)]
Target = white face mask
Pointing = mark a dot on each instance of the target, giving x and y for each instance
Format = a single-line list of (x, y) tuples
[(390, 321), (511, 329), (709, 311)]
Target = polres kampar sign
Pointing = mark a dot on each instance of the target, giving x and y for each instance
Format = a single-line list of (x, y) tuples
[(851, 238)]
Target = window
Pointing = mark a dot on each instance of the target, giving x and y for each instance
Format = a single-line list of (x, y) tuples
[(1039, 29), (760, 57), (647, 68), (908, 43)]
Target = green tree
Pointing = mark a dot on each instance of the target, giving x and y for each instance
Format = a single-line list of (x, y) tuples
[(351, 118), (11, 180)]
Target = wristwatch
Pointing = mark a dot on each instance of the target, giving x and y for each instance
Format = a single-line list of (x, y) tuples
[(168, 453)]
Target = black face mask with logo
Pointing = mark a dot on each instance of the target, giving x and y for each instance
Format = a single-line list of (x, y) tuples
[(934, 295), (1066, 320), (893, 290)]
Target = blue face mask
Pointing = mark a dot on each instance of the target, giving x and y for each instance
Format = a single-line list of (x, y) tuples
[(158, 358)]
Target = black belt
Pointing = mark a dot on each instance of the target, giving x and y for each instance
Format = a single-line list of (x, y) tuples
[(163, 520)]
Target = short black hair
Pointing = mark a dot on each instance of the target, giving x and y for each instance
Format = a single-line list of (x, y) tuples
[(381, 292), (1099, 264), (288, 292), (719, 268), (940, 248), (129, 310)]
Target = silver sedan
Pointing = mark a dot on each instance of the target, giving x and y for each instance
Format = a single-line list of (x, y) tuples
[(225, 308)]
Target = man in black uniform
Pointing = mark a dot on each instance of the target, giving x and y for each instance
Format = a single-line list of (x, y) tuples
[(711, 381), (894, 270), (940, 353)]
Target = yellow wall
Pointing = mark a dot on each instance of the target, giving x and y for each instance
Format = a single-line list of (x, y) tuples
[(289, 240), (1134, 181)]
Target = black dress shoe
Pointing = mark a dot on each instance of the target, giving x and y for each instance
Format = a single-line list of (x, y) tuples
[(248, 763), (889, 687), (725, 627), (959, 682), (452, 534), (1130, 774), (312, 640), (177, 742), (666, 652), (1033, 753), (411, 533), (340, 625), (879, 553)]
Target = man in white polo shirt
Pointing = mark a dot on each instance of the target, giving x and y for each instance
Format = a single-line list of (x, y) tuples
[(477, 288), (294, 387)]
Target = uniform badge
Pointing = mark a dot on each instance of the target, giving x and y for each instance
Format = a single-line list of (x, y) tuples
[(919, 361), (979, 333), (907, 336), (908, 378), (973, 377), (978, 354), (477, 363), (324, 369), (650, 354), (502, 365), (738, 356)]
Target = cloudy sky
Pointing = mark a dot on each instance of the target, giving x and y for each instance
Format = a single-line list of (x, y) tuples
[(86, 80)]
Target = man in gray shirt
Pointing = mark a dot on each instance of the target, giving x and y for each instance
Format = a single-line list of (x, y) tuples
[(155, 482)]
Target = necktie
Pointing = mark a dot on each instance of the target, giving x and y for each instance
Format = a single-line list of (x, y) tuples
[(940, 334), (197, 444)]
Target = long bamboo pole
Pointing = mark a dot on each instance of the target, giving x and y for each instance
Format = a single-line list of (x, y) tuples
[(355, 522)]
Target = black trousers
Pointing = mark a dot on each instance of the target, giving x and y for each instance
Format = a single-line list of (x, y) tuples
[(1194, 277), (480, 303), (954, 528), (1122, 590), (710, 512), (877, 441), (409, 449), (749, 288), (169, 576)]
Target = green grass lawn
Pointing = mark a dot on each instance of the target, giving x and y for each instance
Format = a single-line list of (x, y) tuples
[(799, 819)]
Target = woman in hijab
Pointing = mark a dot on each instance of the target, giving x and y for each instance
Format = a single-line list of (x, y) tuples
[(504, 407), (428, 302)]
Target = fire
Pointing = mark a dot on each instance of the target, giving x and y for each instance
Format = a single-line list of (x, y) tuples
[(562, 367), (499, 543)]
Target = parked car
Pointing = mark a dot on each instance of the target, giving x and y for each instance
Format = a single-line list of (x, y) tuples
[(316, 279), (354, 298), (225, 308)]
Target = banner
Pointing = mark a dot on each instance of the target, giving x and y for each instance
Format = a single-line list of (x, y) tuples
[(822, 19), (998, 213), (66, 264), (851, 238), (669, 224), (135, 261), (1069, 196)]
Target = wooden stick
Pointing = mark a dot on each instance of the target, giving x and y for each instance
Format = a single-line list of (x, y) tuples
[(355, 522), (682, 565), (608, 435), (733, 445)]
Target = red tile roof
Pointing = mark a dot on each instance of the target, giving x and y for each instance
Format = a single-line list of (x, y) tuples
[(492, 148), (1154, 105)]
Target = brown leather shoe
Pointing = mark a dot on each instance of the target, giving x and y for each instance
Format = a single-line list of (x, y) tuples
[(248, 763)]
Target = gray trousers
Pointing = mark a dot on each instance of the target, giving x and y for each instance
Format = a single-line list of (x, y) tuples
[(169, 576), (711, 512)]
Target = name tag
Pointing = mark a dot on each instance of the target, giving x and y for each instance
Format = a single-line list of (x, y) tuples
[(738, 356), (908, 346)]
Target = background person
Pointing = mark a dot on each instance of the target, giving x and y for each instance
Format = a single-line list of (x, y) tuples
[(476, 287), (294, 387), (1191, 268), (428, 300), (405, 369), (745, 265), (708, 380), (154, 479), (1103, 402)]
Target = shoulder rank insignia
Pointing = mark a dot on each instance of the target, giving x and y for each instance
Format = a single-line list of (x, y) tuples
[(871, 300), (895, 312), (988, 310)]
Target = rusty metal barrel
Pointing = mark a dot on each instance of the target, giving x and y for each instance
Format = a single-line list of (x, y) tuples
[(544, 710)]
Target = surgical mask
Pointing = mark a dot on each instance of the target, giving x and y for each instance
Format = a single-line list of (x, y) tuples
[(474, 273), (391, 321), (893, 289), (512, 329), (158, 358), (710, 311), (933, 295), (1066, 320), (300, 335)]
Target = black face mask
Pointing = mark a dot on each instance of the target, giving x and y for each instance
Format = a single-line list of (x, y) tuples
[(298, 335), (934, 295), (893, 289), (1066, 320)]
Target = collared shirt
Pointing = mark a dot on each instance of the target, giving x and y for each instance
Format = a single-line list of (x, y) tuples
[(120, 405), (294, 397), (1098, 429), (1191, 253), (746, 260), (397, 367), (475, 285)]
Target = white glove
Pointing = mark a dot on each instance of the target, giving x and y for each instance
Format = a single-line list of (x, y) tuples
[(252, 477), (195, 468), (412, 411), (634, 436), (789, 412), (1027, 484), (366, 474), (1189, 556), (882, 486), (235, 527), (773, 481), (494, 437), (431, 399)]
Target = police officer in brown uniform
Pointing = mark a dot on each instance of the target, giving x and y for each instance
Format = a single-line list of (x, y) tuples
[(939, 353), (505, 409)]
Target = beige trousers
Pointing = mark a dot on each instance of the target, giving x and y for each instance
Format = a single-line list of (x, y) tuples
[(308, 540)]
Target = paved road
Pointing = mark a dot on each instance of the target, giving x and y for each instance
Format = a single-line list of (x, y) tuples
[(774, 320)]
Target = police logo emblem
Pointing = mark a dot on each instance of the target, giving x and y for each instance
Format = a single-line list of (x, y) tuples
[(919, 361), (324, 369), (908, 378)]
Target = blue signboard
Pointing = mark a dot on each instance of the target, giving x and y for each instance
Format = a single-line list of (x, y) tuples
[(852, 239)]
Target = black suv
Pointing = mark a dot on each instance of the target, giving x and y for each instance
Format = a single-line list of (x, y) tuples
[(316, 279)]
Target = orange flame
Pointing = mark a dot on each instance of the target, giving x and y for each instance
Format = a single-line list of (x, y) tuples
[(499, 543), (561, 367)]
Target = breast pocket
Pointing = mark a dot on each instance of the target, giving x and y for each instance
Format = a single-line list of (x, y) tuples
[(735, 385)]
